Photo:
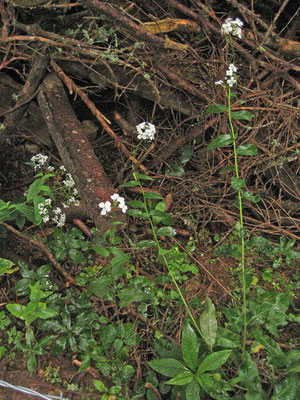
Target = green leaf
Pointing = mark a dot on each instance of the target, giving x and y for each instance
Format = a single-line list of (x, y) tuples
[(226, 338), (137, 213), (185, 154), (17, 310), (192, 391), (153, 196), (102, 251), (166, 231), (182, 379), (132, 295), (6, 266), (242, 115), (136, 204), (31, 363), (208, 323), (221, 141), (99, 385), (77, 256), (190, 347), (287, 389), (216, 108), (27, 211), (44, 312), (145, 177), (250, 196), (247, 150), (100, 285), (237, 183), (130, 184), (145, 244), (249, 376), (168, 367), (175, 170), (213, 361)]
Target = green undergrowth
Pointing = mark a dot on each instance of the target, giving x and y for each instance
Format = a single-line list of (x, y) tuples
[(130, 316), (46, 319)]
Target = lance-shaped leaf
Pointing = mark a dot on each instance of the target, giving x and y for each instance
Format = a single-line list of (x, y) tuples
[(247, 150), (220, 141), (208, 323), (216, 108), (242, 115)]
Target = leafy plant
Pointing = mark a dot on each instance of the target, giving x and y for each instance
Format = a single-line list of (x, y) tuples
[(195, 369)]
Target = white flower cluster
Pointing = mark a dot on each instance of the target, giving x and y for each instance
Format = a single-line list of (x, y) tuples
[(231, 79), (44, 210), (117, 201), (68, 190), (39, 160), (146, 131), (59, 217), (232, 27)]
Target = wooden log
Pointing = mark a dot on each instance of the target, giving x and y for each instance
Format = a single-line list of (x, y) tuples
[(76, 152)]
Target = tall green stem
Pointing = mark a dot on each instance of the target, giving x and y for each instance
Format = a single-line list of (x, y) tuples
[(136, 177), (241, 218)]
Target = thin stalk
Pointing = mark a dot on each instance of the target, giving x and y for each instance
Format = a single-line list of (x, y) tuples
[(241, 219), (160, 249)]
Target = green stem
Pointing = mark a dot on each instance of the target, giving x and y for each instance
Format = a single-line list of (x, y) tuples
[(241, 219), (160, 249)]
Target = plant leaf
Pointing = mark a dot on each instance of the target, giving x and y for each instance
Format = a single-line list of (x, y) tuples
[(130, 184), (192, 391), (153, 196), (208, 323), (145, 177), (132, 295), (190, 348), (145, 244), (247, 150), (175, 170), (213, 361), (181, 379), (216, 108), (237, 183), (242, 115), (186, 153), (250, 196), (221, 141), (166, 231), (168, 367)]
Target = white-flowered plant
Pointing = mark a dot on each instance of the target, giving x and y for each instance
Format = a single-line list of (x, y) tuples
[(39, 160), (63, 184), (146, 131), (230, 75), (232, 27), (118, 201)]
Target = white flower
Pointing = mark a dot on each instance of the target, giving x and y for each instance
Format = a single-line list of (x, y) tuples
[(231, 69), (120, 201), (231, 81), (220, 82), (57, 210), (39, 160), (63, 168), (45, 218), (146, 131), (114, 196), (124, 208), (233, 27), (69, 181), (106, 207), (60, 220), (50, 168)]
